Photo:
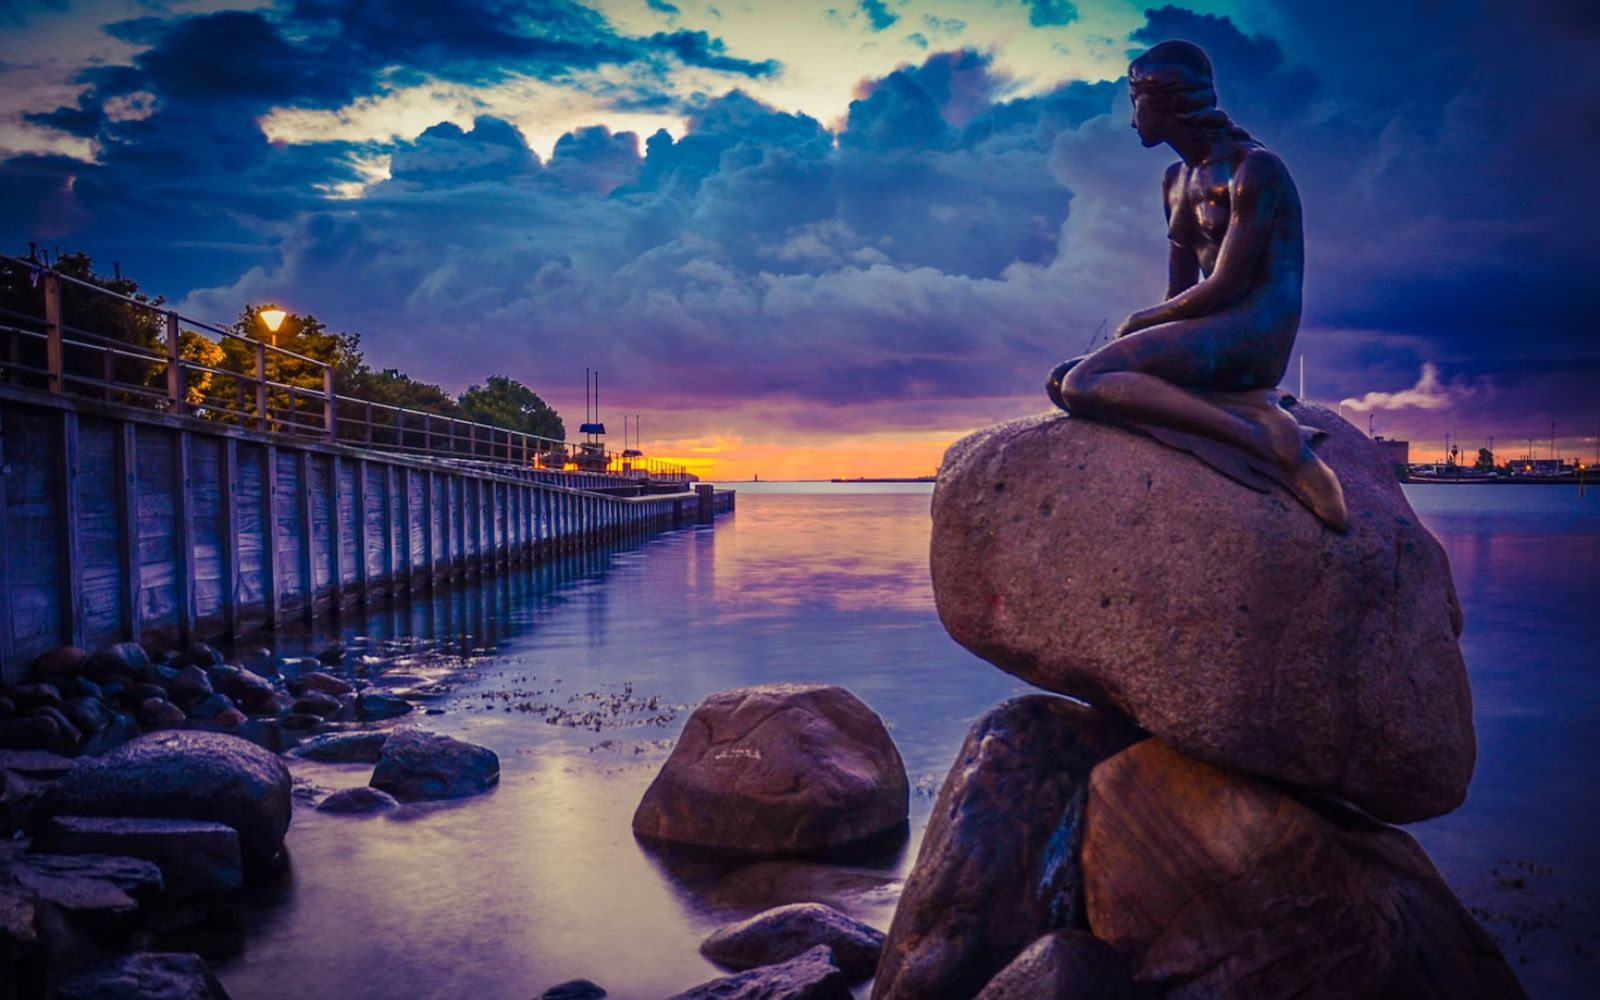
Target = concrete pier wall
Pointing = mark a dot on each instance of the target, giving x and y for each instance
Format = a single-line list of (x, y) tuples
[(120, 523)]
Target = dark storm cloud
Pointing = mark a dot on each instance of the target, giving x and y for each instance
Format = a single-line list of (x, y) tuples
[(84, 121), (696, 48)]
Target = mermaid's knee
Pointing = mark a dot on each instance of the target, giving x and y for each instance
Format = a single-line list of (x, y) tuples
[(1078, 390)]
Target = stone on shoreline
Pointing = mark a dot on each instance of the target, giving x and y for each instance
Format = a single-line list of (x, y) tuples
[(360, 801), (810, 976), (998, 866), (574, 989), (145, 976), (778, 769), (103, 888), (58, 664), (194, 857), (186, 775), (787, 931), (318, 681), (1212, 883), (419, 766), (1232, 624), (125, 659), (343, 748), (375, 707)]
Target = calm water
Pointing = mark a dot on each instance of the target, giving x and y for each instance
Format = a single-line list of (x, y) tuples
[(580, 675)]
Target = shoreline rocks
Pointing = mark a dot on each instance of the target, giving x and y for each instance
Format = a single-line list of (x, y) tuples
[(998, 866), (190, 775), (77, 704), (810, 976), (1097, 563), (786, 932), (1212, 883), (777, 770), (418, 766)]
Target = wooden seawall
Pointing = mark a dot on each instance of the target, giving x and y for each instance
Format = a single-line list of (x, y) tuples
[(121, 523)]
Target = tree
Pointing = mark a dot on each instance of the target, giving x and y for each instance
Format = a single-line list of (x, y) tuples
[(138, 323), (505, 402), (395, 388), (1485, 459)]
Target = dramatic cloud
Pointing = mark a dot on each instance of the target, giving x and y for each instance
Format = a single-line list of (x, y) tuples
[(913, 262)]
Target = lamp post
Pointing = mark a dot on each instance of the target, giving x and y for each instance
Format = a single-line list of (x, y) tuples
[(271, 318)]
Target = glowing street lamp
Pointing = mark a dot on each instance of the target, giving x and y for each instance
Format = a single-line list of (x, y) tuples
[(272, 319)]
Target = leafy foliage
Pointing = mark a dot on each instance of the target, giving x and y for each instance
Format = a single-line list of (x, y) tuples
[(505, 402)]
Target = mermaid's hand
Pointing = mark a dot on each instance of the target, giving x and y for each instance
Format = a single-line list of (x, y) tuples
[(1141, 320)]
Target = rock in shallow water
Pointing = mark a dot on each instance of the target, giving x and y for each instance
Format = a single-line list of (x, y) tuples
[(574, 989), (998, 865), (186, 775), (1232, 624), (358, 802), (420, 766), (778, 769), (343, 748), (787, 931), (811, 976), (1216, 884)]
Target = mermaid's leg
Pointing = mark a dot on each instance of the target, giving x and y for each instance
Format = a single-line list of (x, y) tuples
[(1135, 382)]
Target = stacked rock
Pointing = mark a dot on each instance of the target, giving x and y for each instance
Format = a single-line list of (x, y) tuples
[(1290, 690)]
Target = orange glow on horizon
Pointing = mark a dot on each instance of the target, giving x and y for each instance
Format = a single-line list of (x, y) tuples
[(732, 459)]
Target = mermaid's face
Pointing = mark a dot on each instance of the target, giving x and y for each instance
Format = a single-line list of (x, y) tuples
[(1149, 123)]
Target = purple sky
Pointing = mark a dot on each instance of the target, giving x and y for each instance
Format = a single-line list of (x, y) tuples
[(826, 227)]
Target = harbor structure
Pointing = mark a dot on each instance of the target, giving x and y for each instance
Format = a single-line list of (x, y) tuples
[(130, 510)]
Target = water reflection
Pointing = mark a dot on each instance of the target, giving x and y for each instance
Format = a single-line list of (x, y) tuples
[(541, 880)]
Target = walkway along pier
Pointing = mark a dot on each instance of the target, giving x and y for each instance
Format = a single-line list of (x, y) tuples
[(128, 511)]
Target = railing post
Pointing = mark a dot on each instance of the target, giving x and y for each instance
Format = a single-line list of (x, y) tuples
[(54, 350), (472, 439), (427, 433), (174, 366), (261, 385), (330, 404), (369, 421)]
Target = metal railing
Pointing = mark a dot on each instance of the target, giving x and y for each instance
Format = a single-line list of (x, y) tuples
[(161, 363), (395, 428)]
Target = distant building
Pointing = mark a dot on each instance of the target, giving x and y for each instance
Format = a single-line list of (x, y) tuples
[(1397, 453), (1541, 467)]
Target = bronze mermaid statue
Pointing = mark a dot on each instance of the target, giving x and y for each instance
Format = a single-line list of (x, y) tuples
[(1199, 371)]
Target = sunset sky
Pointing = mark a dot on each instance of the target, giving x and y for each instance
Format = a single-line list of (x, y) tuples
[(822, 239)]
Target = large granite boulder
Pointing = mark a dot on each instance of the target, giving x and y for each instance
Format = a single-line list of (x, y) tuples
[(998, 865), (785, 932), (186, 775), (1215, 884), (1232, 624), (778, 769)]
